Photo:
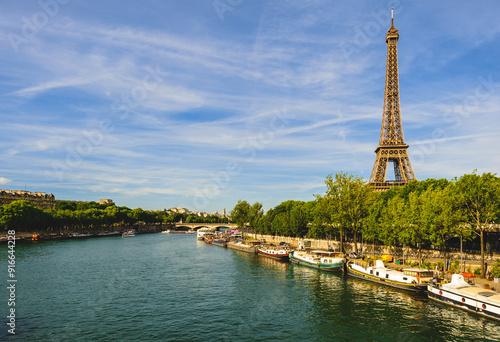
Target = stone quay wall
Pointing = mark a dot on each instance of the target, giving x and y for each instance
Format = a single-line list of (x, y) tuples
[(370, 249)]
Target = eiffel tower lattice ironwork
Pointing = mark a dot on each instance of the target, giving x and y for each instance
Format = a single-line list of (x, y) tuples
[(391, 147)]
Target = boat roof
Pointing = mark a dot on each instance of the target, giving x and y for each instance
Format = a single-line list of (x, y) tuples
[(319, 251), (475, 290), (417, 270)]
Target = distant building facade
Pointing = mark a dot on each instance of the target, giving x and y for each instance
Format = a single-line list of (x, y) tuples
[(197, 213), (38, 199), (179, 210)]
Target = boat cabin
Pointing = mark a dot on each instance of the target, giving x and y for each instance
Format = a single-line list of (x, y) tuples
[(324, 256), (418, 273)]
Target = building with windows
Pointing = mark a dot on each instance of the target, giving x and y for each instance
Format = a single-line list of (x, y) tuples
[(38, 199)]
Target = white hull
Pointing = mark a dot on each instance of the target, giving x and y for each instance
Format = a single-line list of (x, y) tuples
[(321, 260), (467, 297), (200, 234), (409, 279), (275, 253)]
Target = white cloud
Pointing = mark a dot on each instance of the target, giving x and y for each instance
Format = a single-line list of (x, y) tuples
[(4, 180), (220, 86)]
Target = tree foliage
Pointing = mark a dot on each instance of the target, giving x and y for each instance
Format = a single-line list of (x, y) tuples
[(346, 201), (479, 199), (422, 213), (23, 216), (241, 213)]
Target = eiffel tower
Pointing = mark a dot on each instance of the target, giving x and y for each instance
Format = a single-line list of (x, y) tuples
[(391, 146)]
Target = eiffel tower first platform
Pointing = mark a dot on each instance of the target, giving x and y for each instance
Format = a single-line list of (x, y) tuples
[(391, 147)]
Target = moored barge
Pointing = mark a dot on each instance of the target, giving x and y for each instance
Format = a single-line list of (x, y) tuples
[(468, 297), (274, 252), (413, 279), (322, 260)]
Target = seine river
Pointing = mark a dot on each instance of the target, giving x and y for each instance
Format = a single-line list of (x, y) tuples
[(159, 287)]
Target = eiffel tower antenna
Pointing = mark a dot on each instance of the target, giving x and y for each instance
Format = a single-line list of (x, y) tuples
[(391, 147)]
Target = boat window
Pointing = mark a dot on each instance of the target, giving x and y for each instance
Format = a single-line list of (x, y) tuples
[(371, 271), (387, 276), (404, 278), (377, 273)]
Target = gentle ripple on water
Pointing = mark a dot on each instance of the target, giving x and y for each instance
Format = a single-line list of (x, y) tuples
[(174, 288)]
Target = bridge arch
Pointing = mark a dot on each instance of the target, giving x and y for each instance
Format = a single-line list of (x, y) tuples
[(196, 226)]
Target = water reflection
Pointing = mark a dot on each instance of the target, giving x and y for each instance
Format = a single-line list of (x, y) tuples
[(182, 289)]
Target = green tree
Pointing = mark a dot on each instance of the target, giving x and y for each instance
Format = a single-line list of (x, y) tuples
[(66, 205), (298, 220), (391, 222), (194, 219), (443, 217), (255, 214), (479, 198), (241, 213), (324, 223), (413, 223), (372, 222), (348, 202), (23, 216), (174, 218)]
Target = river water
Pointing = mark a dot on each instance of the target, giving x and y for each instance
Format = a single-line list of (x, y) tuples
[(159, 287)]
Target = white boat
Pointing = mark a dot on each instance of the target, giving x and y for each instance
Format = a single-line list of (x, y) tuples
[(178, 232), (200, 234), (412, 279), (79, 235), (109, 233), (129, 233), (237, 244), (323, 260), (274, 252), (462, 295)]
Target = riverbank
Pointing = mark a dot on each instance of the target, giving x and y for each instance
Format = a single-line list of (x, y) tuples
[(161, 287), (58, 234), (470, 261), (480, 282), (370, 249)]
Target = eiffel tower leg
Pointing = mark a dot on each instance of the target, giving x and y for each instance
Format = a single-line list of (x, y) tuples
[(405, 168), (409, 174), (379, 168), (398, 169)]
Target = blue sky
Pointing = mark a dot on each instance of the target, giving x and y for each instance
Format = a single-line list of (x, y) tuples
[(158, 104)]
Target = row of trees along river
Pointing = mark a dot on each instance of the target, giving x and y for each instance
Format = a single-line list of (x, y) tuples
[(419, 214), (70, 215)]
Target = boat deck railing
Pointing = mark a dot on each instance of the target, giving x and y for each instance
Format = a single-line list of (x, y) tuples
[(361, 263)]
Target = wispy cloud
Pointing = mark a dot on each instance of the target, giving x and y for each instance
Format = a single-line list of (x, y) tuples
[(218, 88)]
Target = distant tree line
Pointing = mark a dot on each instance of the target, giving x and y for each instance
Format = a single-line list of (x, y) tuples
[(23, 216), (421, 213)]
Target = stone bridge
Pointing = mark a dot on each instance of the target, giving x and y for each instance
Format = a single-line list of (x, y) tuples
[(196, 226)]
